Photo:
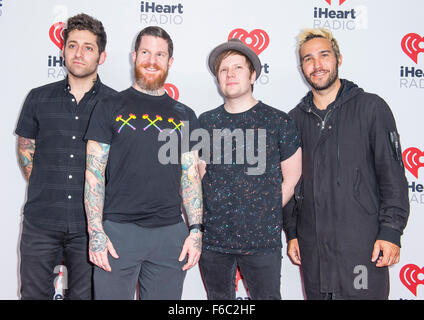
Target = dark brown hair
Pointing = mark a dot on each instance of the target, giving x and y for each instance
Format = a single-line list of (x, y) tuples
[(83, 21), (155, 32)]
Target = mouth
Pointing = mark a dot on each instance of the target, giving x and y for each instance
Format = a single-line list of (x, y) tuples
[(319, 73)]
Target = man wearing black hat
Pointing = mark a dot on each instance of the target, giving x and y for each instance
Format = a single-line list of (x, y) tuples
[(243, 204)]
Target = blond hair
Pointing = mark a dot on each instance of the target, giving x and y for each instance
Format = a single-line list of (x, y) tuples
[(308, 34)]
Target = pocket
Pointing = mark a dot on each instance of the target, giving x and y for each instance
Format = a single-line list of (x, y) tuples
[(363, 195)]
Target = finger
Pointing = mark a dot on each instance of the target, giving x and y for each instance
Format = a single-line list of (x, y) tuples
[(183, 253), (375, 252), (385, 258), (112, 250), (105, 263)]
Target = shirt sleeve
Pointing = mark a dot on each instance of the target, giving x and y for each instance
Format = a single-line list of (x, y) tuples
[(100, 124), (289, 140), (28, 125)]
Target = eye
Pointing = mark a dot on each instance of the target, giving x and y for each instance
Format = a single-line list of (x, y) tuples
[(89, 48)]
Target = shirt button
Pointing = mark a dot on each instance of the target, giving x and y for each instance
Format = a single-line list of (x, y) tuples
[(73, 100), (69, 197), (73, 137), (76, 117), (330, 127), (70, 176), (71, 155)]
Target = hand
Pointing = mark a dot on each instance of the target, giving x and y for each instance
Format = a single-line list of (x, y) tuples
[(390, 256), (201, 167), (192, 247), (99, 247), (294, 252)]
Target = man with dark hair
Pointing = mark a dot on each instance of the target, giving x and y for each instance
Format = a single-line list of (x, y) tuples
[(133, 200), (243, 204), (52, 155), (345, 224)]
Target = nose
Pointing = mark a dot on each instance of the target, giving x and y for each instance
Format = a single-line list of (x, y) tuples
[(79, 51), (231, 73)]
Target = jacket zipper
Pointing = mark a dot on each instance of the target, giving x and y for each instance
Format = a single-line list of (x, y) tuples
[(323, 121)]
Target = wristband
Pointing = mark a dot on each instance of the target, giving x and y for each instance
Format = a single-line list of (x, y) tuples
[(196, 228)]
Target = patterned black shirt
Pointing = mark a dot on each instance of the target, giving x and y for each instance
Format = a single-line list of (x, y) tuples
[(55, 120), (242, 211)]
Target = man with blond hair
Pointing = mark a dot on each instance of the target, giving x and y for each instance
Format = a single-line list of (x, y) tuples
[(345, 223)]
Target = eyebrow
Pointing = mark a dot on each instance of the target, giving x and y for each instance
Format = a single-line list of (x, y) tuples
[(321, 52)]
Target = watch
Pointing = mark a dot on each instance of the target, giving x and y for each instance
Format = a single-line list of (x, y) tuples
[(195, 228)]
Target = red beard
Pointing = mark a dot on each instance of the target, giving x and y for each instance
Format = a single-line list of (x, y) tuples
[(148, 81)]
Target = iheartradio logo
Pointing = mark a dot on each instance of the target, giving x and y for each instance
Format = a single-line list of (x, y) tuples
[(172, 91), (257, 40), (412, 45), (413, 159), (340, 2), (412, 276), (56, 34)]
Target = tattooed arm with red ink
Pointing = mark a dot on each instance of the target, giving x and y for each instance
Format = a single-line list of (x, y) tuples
[(26, 150), (94, 195), (191, 191)]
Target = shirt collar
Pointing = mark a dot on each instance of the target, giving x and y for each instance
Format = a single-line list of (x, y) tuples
[(94, 89)]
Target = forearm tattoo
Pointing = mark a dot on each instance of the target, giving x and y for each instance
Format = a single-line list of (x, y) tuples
[(26, 150), (191, 188), (94, 192)]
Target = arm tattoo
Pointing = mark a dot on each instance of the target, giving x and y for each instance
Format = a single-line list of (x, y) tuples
[(94, 193), (191, 188), (26, 150)]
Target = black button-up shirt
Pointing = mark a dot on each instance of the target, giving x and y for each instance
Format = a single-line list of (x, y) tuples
[(55, 120)]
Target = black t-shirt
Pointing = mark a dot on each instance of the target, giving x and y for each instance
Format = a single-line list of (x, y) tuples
[(140, 186), (243, 212)]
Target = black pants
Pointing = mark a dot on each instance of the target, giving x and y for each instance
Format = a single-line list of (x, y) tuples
[(42, 251), (262, 274)]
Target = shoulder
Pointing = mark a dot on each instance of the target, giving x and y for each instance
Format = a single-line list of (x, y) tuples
[(48, 90), (210, 114), (106, 90), (276, 116)]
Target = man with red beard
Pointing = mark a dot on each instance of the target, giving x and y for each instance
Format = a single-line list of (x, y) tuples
[(352, 205), (51, 151), (133, 201)]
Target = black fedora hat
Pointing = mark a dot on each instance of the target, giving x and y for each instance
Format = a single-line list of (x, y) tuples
[(237, 45)]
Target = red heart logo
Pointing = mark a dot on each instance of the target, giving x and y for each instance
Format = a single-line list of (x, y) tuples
[(411, 160), (340, 2), (411, 276), (412, 44), (56, 34), (257, 40), (172, 91)]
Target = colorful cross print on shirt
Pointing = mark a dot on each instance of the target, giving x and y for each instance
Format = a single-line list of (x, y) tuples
[(177, 126), (152, 123), (125, 122)]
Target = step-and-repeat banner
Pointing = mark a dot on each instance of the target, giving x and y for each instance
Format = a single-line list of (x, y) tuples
[(382, 43)]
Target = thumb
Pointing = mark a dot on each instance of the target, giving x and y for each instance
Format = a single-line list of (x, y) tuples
[(112, 250), (375, 252)]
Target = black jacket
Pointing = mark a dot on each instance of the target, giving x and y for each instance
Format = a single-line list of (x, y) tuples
[(353, 191)]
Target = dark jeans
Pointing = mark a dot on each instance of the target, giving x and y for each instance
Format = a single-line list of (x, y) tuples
[(42, 251), (147, 256), (261, 272)]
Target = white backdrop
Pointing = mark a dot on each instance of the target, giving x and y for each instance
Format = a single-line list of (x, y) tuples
[(370, 39)]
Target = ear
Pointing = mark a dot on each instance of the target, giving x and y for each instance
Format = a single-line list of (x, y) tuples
[(340, 60), (134, 56), (253, 77), (102, 58), (170, 61)]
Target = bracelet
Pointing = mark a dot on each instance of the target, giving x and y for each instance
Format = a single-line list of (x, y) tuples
[(198, 226)]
